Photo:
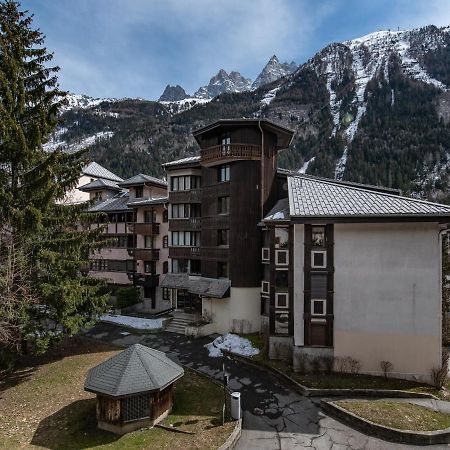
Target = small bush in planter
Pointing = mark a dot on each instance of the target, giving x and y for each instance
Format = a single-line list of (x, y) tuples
[(127, 296)]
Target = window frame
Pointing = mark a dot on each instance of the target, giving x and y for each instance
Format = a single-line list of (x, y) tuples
[(263, 284), (324, 303), (263, 250), (278, 294), (277, 253), (324, 253)]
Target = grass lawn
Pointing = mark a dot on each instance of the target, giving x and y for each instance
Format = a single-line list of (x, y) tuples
[(43, 405), (403, 416)]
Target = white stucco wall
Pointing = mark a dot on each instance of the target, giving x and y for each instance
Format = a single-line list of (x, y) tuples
[(387, 301), (242, 307)]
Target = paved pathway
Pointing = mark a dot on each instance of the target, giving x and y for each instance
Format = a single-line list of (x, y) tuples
[(290, 421)]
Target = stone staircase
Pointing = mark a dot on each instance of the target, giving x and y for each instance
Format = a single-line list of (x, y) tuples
[(180, 321)]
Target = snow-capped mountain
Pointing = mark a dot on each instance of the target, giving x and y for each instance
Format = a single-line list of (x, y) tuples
[(173, 94), (224, 82), (74, 101), (272, 71)]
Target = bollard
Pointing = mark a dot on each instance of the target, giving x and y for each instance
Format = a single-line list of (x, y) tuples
[(236, 405)]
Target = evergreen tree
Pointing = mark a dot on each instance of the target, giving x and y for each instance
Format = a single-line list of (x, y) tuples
[(47, 287)]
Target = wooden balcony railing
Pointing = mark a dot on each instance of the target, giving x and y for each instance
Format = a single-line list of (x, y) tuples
[(146, 254), (191, 196), (190, 224), (184, 252), (214, 253), (146, 228), (230, 152)]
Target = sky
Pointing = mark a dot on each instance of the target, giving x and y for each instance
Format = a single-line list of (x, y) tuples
[(134, 48)]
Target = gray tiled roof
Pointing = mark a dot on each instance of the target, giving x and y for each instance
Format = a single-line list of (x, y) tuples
[(148, 201), (95, 170), (141, 179), (100, 183), (137, 369), (188, 160), (316, 197), (208, 287), (116, 203)]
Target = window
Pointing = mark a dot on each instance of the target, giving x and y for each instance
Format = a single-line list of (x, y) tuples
[(189, 238), (225, 143), (223, 206), (222, 237), (265, 254), (98, 196), (222, 270), (122, 242), (281, 257), (139, 191), (184, 183), (265, 306), (149, 242), (179, 265), (165, 241), (281, 237), (165, 266), (165, 294), (318, 236), (165, 215), (265, 287), (181, 210), (319, 259), (224, 173), (281, 300), (149, 267), (150, 216), (111, 265), (318, 307), (282, 279)]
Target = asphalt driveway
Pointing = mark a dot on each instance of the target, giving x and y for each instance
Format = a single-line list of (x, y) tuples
[(275, 416)]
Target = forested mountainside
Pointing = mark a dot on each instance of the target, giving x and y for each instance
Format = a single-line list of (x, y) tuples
[(374, 110)]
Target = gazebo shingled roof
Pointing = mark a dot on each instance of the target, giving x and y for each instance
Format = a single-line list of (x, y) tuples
[(136, 370)]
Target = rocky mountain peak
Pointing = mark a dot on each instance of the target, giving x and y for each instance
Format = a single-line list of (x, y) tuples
[(224, 82), (272, 71), (173, 94)]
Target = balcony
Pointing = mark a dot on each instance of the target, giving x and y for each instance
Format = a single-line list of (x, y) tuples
[(229, 152), (146, 228), (214, 253), (190, 224), (146, 254), (191, 196), (184, 252)]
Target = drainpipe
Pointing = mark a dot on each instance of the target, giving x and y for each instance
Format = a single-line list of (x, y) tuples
[(262, 169)]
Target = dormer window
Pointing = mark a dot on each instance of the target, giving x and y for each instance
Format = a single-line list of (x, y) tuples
[(139, 192)]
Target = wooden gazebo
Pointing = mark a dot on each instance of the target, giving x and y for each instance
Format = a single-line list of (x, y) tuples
[(134, 388)]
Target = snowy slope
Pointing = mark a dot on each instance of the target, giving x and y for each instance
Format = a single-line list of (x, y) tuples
[(224, 82)]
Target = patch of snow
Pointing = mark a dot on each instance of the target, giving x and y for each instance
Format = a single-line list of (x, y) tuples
[(392, 97), (75, 146), (340, 166), (270, 95), (184, 105), (306, 164), (100, 113), (233, 343), (137, 323)]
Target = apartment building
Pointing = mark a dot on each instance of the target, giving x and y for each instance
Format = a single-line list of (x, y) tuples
[(135, 217), (216, 202)]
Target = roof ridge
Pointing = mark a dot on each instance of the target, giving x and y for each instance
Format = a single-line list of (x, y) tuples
[(127, 353), (370, 191), (137, 348)]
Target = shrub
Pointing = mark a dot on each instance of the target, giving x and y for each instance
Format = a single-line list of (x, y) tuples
[(127, 296), (439, 375), (301, 362), (328, 363), (340, 364), (386, 367), (354, 365), (316, 364)]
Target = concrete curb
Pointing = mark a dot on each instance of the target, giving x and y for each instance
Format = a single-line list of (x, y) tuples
[(383, 432), (234, 437), (313, 392)]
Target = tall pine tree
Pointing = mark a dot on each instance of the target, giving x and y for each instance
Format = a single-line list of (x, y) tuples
[(42, 253)]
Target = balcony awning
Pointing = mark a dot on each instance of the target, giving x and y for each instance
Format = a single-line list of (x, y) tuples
[(205, 287)]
